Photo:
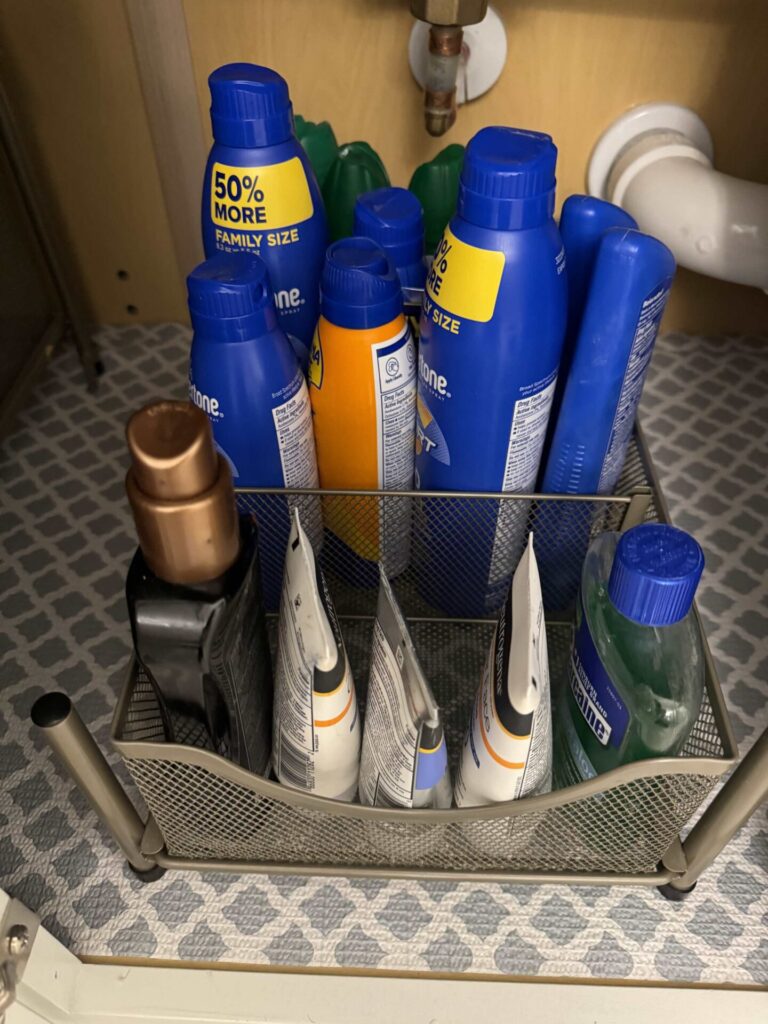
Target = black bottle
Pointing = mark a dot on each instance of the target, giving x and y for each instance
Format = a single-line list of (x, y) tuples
[(193, 589)]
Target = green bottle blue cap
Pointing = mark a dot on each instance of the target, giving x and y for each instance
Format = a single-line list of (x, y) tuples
[(508, 179), (655, 572), (230, 297), (359, 286), (250, 106)]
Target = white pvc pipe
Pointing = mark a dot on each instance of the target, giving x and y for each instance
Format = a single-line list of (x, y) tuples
[(656, 162), (713, 223)]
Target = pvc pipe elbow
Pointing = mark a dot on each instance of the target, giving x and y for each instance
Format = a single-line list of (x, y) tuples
[(656, 163)]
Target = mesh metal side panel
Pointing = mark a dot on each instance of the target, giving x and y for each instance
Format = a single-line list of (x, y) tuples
[(705, 739), (627, 829), (449, 555)]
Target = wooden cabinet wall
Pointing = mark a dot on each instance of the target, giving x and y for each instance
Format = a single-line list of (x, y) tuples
[(573, 66)]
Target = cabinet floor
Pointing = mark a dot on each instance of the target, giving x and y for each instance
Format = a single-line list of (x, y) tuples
[(67, 536)]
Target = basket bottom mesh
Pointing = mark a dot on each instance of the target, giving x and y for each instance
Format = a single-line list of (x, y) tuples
[(205, 817)]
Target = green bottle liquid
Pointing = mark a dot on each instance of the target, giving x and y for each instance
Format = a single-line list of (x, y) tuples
[(636, 677)]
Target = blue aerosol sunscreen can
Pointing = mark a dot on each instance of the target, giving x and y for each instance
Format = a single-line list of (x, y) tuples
[(244, 374), (260, 194), (630, 286), (492, 328)]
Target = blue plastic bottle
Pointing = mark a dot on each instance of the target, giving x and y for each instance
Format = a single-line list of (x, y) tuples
[(260, 194), (630, 286), (492, 329), (243, 373), (394, 219), (583, 222)]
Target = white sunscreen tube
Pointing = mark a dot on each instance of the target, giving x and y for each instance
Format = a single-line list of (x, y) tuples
[(316, 734), (507, 751), (404, 762)]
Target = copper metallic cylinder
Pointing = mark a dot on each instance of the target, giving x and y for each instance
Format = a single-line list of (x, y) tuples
[(442, 70), (181, 494)]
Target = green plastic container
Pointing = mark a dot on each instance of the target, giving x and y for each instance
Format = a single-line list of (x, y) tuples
[(436, 185), (319, 144), (358, 168), (636, 676)]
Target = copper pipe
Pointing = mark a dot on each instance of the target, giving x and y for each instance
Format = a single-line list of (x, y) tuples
[(442, 69)]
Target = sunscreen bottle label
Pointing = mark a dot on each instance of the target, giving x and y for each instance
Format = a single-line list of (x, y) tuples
[(464, 280), (317, 727), (377, 420), (315, 367), (260, 199), (394, 371), (592, 695), (632, 388), (429, 437), (388, 767), (296, 445), (527, 432), (404, 762), (295, 440), (507, 752)]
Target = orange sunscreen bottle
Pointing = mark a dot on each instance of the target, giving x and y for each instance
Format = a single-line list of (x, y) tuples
[(362, 377)]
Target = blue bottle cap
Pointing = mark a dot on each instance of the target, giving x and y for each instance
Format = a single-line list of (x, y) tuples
[(655, 572), (250, 106), (588, 216), (230, 297), (508, 179), (359, 287), (394, 219)]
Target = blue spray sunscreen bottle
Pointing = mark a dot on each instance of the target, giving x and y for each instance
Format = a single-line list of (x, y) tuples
[(244, 375), (630, 287), (583, 222), (394, 219), (260, 194), (492, 328)]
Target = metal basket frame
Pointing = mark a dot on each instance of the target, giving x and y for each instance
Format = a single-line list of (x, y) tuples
[(643, 501), (682, 781)]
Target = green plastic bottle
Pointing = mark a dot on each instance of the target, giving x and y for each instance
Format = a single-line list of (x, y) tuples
[(636, 677), (319, 144), (436, 186), (357, 168)]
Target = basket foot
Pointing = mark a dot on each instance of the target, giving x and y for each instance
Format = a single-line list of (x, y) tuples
[(150, 875), (669, 892)]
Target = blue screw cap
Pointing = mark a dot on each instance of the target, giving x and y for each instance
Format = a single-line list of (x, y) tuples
[(250, 106), (359, 287), (655, 572), (508, 179), (394, 219), (230, 297)]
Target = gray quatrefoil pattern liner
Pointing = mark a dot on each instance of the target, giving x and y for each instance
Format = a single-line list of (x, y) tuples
[(66, 538)]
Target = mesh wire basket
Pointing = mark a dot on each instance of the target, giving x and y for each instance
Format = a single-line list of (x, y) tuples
[(210, 812)]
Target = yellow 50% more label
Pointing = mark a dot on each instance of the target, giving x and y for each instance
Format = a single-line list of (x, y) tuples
[(260, 198)]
